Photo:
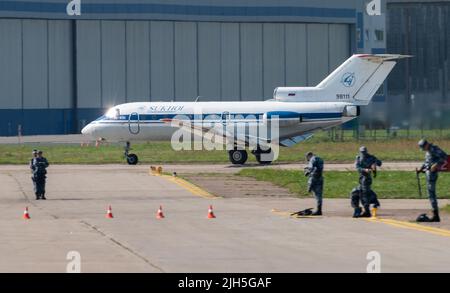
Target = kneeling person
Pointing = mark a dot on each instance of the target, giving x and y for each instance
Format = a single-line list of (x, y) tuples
[(314, 172), (356, 199)]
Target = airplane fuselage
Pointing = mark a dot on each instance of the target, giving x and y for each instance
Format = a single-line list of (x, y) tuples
[(147, 121)]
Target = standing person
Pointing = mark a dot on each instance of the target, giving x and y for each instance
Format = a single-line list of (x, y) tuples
[(434, 159), (314, 171), (40, 165), (366, 164), (34, 154)]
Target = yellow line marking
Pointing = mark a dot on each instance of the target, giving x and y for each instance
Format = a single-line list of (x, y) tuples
[(194, 189), (391, 222), (412, 226)]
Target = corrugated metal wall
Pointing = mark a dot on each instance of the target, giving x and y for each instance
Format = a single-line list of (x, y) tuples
[(123, 61), (35, 64)]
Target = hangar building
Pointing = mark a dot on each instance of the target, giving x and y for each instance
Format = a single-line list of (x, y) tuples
[(58, 71)]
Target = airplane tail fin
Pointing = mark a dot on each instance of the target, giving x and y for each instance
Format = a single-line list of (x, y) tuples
[(355, 81), (360, 76)]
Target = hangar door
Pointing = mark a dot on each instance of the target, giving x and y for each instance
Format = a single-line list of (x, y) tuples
[(125, 61)]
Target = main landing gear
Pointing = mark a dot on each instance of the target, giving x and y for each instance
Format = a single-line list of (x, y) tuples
[(239, 157), (264, 157), (132, 159)]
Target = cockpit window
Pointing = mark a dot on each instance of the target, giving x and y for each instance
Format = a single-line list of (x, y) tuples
[(113, 113)]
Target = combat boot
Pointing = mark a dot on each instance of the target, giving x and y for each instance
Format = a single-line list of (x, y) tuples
[(357, 212), (366, 213), (318, 212), (435, 217)]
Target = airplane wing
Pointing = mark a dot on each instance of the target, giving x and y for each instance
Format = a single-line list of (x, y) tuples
[(212, 130)]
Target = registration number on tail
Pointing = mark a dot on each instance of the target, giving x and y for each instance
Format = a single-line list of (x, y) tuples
[(342, 96)]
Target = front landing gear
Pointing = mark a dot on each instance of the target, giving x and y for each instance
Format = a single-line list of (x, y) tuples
[(132, 159)]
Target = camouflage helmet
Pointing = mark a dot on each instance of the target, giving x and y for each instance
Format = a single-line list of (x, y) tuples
[(422, 143)]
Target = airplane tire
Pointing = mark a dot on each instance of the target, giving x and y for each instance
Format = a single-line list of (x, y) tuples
[(132, 159), (238, 157)]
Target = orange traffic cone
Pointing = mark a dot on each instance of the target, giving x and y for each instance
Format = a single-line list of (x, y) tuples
[(26, 215), (211, 213), (159, 214), (109, 214)]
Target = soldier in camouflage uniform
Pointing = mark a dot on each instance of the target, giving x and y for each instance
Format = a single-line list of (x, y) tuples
[(314, 172), (39, 168), (366, 165), (435, 158), (356, 199)]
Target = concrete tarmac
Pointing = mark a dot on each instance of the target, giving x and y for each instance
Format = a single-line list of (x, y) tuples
[(222, 168), (246, 236)]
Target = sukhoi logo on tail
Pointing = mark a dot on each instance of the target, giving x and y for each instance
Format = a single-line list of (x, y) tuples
[(348, 79)]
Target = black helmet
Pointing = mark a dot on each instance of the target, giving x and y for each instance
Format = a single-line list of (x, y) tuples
[(308, 155), (422, 143), (363, 149), (34, 152)]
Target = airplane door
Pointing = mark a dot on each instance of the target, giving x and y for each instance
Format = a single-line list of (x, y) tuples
[(225, 118), (134, 125)]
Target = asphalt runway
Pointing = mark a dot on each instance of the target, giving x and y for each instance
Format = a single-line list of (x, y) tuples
[(246, 236)]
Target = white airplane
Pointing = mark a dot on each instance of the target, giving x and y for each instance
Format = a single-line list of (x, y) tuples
[(299, 111)]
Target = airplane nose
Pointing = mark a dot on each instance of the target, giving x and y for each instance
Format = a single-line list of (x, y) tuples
[(88, 130)]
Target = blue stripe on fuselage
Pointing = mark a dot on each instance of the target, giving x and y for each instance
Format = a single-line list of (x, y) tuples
[(258, 116)]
